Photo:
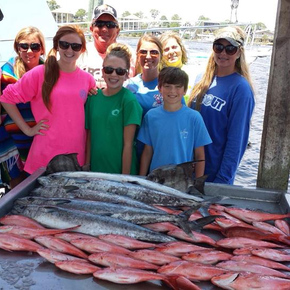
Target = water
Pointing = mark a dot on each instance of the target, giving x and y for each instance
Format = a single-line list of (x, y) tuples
[(259, 68), (248, 169)]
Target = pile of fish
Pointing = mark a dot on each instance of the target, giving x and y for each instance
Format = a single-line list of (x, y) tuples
[(126, 229)]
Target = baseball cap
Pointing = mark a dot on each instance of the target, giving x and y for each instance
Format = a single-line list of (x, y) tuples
[(104, 9), (231, 35)]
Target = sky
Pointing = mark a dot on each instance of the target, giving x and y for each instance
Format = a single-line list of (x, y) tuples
[(217, 10)]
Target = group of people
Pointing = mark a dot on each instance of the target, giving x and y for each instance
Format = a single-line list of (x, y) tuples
[(121, 111)]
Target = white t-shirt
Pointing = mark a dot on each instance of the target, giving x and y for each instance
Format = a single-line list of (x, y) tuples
[(92, 62)]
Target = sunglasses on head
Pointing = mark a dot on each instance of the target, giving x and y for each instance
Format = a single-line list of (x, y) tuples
[(108, 24), (153, 52), (35, 47), (230, 49), (74, 46), (119, 71)]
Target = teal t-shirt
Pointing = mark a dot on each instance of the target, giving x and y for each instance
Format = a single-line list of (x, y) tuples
[(106, 117)]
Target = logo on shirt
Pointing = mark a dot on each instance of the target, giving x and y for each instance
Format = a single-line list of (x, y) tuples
[(158, 100), (115, 112), (83, 94), (184, 133), (213, 101)]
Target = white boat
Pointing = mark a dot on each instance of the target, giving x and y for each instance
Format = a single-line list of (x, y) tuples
[(24, 13)]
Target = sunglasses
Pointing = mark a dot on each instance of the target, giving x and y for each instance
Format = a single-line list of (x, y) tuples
[(35, 47), (108, 24), (119, 71), (230, 49), (153, 52), (74, 46)]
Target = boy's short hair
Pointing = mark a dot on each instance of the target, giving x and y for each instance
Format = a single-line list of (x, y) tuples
[(173, 75)]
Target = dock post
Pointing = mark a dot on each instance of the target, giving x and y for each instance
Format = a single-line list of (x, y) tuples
[(273, 172)]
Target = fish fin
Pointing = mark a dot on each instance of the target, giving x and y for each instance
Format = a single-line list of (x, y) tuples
[(203, 210), (184, 225), (69, 188), (193, 191), (183, 221), (201, 222), (198, 186)]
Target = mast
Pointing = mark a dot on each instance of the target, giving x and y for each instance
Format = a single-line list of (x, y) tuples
[(92, 5)]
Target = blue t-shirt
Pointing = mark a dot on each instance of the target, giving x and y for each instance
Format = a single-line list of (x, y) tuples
[(173, 135), (147, 93), (226, 109)]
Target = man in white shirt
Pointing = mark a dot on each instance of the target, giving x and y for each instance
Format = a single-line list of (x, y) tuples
[(105, 30)]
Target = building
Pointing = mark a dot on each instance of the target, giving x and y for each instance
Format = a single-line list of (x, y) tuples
[(63, 16)]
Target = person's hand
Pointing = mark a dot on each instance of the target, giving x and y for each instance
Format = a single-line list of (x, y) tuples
[(93, 91), (36, 130)]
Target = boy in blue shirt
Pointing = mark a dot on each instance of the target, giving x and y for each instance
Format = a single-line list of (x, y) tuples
[(172, 133)]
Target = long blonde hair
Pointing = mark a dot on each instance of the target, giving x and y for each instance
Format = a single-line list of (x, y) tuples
[(51, 72), (152, 39), (19, 67), (203, 85)]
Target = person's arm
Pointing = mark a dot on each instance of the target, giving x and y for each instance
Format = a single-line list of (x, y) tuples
[(146, 158), (199, 166), (15, 115), (129, 133), (237, 136)]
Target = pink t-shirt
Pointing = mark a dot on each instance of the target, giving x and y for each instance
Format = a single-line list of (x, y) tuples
[(66, 133)]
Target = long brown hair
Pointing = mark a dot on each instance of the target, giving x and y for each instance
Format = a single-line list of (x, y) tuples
[(51, 72), (19, 67)]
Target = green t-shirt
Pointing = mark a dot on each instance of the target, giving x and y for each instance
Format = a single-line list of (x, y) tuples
[(106, 117)]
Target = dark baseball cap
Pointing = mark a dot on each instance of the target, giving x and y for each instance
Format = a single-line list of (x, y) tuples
[(104, 9)]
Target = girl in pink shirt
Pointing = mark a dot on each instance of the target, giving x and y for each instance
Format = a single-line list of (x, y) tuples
[(57, 92)]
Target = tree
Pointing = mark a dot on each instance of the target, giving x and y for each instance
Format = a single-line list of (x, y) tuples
[(201, 17), (139, 14), (177, 23), (154, 13), (81, 15), (164, 22), (52, 5), (261, 25), (126, 13)]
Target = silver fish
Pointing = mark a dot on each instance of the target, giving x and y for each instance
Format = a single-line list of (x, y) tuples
[(71, 192), (91, 206), (95, 225), (133, 191), (124, 178), (134, 215)]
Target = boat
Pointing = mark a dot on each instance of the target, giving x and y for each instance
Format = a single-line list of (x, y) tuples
[(24, 13)]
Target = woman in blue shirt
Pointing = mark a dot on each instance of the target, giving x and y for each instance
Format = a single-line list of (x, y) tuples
[(224, 96)]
